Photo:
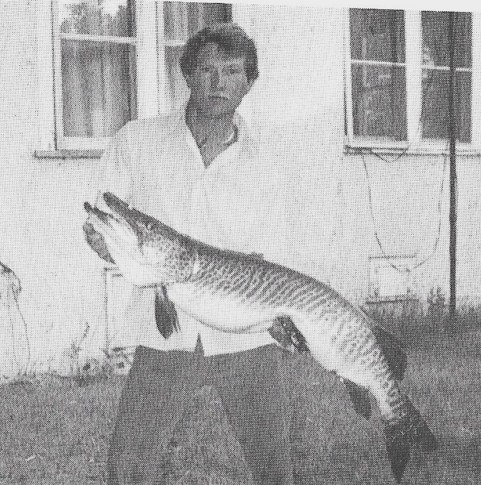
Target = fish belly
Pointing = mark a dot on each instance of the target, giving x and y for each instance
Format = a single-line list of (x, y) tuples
[(225, 312)]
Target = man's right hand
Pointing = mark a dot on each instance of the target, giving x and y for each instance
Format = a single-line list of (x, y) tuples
[(96, 241)]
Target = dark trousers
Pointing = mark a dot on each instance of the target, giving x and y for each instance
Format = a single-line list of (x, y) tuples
[(161, 384)]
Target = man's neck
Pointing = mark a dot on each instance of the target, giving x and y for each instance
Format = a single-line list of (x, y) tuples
[(203, 126)]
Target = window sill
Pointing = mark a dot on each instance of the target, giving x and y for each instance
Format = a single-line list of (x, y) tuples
[(461, 150), (67, 154)]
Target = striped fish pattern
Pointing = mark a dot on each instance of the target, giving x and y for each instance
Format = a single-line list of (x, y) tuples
[(236, 292)]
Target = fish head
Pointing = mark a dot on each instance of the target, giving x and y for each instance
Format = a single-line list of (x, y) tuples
[(147, 252)]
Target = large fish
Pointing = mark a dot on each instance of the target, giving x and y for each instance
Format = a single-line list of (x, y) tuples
[(236, 292)]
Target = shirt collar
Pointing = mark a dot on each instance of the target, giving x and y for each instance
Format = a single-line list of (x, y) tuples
[(242, 130)]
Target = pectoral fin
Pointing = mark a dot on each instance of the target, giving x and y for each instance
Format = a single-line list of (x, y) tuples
[(359, 397), (287, 334)]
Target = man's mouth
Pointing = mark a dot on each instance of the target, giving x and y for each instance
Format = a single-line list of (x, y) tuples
[(218, 97)]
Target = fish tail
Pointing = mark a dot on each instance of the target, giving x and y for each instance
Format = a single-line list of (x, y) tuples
[(402, 434)]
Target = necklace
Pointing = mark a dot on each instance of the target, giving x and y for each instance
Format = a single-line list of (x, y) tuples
[(229, 141)]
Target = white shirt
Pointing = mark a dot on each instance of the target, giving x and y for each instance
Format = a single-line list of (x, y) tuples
[(155, 165)]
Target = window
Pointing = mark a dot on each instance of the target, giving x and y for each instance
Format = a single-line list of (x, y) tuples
[(97, 67), (398, 78), (435, 74), (112, 61), (378, 69)]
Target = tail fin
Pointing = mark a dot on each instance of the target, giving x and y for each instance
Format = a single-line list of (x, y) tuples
[(410, 431)]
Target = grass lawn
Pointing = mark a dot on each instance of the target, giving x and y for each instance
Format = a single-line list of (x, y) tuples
[(54, 431)]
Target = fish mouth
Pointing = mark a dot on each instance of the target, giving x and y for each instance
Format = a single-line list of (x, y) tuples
[(100, 220), (143, 225), (136, 242), (122, 215), (119, 228), (126, 223), (122, 212), (123, 238)]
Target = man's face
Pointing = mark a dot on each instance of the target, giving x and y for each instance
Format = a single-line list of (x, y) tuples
[(218, 83)]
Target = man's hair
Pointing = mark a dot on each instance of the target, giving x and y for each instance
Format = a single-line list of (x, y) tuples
[(230, 38)]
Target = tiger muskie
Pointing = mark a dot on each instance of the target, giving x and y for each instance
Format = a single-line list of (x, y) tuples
[(210, 283)]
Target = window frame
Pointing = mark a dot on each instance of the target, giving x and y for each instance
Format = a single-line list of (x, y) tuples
[(413, 62), (149, 59)]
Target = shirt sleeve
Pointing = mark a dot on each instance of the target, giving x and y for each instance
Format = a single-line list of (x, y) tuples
[(114, 173)]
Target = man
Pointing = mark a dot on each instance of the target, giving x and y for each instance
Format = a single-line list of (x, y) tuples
[(199, 171)]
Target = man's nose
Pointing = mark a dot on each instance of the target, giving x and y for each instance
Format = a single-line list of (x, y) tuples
[(217, 80)]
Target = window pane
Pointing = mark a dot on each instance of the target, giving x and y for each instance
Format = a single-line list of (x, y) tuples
[(377, 35), (98, 87), (98, 17), (182, 19), (176, 86), (379, 101), (436, 109), (435, 27)]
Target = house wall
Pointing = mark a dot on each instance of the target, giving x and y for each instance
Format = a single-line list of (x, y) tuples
[(296, 109), (41, 211)]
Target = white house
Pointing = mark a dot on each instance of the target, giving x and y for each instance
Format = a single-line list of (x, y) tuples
[(352, 102)]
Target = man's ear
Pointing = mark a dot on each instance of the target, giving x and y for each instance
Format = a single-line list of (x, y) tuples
[(249, 85), (188, 80)]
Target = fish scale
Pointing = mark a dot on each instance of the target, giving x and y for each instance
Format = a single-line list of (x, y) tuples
[(236, 292), (264, 285)]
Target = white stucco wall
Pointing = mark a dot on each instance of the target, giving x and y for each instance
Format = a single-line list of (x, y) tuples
[(41, 208), (296, 108)]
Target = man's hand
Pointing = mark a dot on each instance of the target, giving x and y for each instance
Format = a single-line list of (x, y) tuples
[(96, 241)]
